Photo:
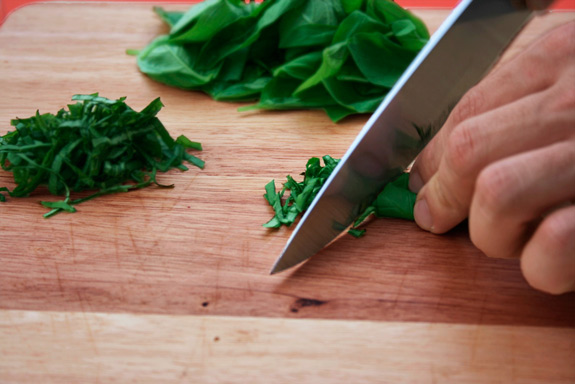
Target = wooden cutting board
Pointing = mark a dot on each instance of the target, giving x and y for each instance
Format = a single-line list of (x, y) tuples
[(161, 263)]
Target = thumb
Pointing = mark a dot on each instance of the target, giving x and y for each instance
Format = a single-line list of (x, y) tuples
[(442, 203)]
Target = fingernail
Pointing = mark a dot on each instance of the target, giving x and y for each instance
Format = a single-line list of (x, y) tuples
[(423, 215), (415, 181)]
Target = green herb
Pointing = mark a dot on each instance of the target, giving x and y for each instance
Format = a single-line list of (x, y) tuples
[(341, 56), (394, 201), (98, 145), (301, 193)]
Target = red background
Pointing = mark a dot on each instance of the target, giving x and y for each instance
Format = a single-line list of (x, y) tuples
[(6, 6)]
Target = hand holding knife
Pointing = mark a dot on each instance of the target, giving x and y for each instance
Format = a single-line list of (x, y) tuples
[(457, 56)]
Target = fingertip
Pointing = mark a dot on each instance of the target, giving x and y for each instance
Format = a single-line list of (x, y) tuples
[(543, 280), (548, 259), (422, 215), (437, 208)]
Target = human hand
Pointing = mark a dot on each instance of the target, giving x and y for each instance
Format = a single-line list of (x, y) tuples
[(505, 159)]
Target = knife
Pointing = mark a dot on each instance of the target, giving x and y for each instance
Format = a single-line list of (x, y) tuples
[(455, 58)]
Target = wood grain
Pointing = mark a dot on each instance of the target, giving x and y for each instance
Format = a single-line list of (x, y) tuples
[(121, 348), (200, 249)]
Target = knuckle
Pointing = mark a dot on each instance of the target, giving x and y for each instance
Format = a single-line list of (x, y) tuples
[(447, 198), (493, 190), (471, 104), (561, 40), (550, 54), (444, 197), (563, 99), (568, 98), (461, 150), (556, 47), (555, 111)]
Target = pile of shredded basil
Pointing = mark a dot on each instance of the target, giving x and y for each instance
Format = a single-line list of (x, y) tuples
[(98, 145), (394, 201), (341, 56)]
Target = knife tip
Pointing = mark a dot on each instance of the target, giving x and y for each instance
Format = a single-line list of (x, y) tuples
[(277, 268), (281, 264)]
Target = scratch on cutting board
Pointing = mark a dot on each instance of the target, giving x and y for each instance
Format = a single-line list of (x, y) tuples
[(184, 192), (200, 352), (166, 266), (439, 300), (217, 294), (248, 292), (116, 243), (396, 299), (514, 353), (40, 257), (72, 243), (475, 343), (477, 333), (482, 308), (68, 325), (87, 322), (53, 324), (142, 259), (184, 373), (123, 293), (131, 235), (246, 253), (59, 278)]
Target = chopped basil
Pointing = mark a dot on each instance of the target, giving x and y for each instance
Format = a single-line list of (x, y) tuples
[(394, 201), (98, 145)]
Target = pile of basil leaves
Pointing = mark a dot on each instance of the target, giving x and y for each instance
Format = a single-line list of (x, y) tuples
[(341, 56)]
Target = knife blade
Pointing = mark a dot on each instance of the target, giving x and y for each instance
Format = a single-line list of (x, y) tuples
[(456, 57)]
